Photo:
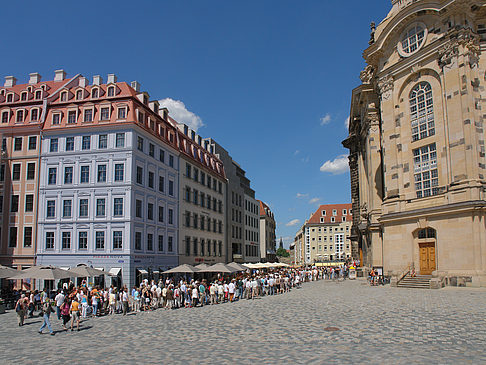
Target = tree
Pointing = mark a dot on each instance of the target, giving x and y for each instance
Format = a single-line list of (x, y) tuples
[(282, 252)]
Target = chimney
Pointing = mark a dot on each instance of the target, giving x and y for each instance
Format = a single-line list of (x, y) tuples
[(135, 85), (83, 81), (111, 79), (10, 81), (34, 78), (97, 80), (59, 75)]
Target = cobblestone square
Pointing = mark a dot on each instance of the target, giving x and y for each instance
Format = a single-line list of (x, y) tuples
[(376, 325)]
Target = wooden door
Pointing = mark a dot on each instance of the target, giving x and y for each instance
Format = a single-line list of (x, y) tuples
[(427, 258)]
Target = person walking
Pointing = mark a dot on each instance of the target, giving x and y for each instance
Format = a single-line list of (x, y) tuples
[(59, 299), (46, 313), (124, 297), (74, 313), (20, 308), (65, 313)]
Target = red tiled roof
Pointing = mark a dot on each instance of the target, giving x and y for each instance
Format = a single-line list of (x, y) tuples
[(262, 209), (316, 217)]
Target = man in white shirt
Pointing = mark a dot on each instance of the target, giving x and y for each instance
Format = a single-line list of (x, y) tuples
[(231, 290), (59, 299)]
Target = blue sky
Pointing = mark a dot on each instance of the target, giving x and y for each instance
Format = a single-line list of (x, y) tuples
[(270, 80)]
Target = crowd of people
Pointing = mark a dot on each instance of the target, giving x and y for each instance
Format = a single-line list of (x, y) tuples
[(73, 304)]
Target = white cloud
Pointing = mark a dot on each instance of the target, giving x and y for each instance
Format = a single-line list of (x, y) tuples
[(346, 123), (305, 159), (293, 222), (179, 112), (299, 195), (337, 166), (314, 200), (296, 152), (325, 119)]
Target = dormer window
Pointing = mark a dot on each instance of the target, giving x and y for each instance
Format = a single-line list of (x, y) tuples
[(94, 93), (105, 113), (64, 96), (122, 113), (56, 118), (111, 91), (44, 87), (2, 92), (334, 212), (79, 94), (29, 89), (345, 212), (20, 116), (34, 115), (145, 99), (324, 213), (5, 116), (23, 96), (38, 94), (9, 98)]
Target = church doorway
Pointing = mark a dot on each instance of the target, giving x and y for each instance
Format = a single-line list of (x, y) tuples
[(427, 258)]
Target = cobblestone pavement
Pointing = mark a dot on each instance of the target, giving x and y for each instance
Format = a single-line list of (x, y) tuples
[(376, 325)]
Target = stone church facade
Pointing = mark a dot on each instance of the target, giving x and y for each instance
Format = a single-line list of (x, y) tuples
[(417, 143)]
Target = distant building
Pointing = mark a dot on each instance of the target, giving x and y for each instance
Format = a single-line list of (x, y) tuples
[(267, 234)]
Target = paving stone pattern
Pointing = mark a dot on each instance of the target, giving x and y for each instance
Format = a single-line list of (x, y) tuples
[(376, 325)]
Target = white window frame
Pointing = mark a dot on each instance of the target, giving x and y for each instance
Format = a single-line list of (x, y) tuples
[(60, 117), (405, 36), (118, 112), (92, 114), (38, 114)]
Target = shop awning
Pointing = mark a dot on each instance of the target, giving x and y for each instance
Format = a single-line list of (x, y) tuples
[(115, 271), (64, 268), (142, 271), (99, 268)]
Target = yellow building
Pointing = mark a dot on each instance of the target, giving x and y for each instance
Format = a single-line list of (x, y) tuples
[(417, 142)]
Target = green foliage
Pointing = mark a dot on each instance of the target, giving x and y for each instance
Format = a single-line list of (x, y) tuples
[(282, 252)]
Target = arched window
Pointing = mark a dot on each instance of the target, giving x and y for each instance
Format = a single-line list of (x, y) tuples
[(427, 233), (38, 94), (413, 39), (422, 111)]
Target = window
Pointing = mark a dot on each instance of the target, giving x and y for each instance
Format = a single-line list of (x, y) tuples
[(140, 143), (150, 211), (16, 171), (117, 240), (67, 208), (5, 117), (4, 144), (150, 242), (422, 111), (94, 93), (412, 40), (195, 220), (334, 212), (161, 156), (51, 209), (83, 207), (122, 113), (188, 219), (14, 204), (151, 150), (30, 171), (27, 236), (105, 113), (111, 91), (49, 240), (79, 94), (171, 161), (83, 240), (29, 203), (188, 246), (64, 96), (66, 240), (72, 116), (195, 197), (101, 173), (52, 176), (345, 212), (100, 240), (100, 207), (425, 171), (119, 171), (18, 144), (20, 115), (12, 242), (118, 207), (139, 175), (427, 233), (161, 214), (54, 145), (188, 170), (194, 244), (9, 98), (141, 117), (120, 140), (171, 188), (84, 175), (102, 141), (69, 143), (56, 118), (333, 219), (88, 115), (161, 183), (86, 143), (32, 142), (23, 96), (138, 208), (344, 219), (161, 243), (68, 175), (171, 216), (34, 115), (38, 94), (170, 244), (151, 179), (138, 241)]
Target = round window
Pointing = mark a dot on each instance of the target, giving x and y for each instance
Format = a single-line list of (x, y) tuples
[(412, 40)]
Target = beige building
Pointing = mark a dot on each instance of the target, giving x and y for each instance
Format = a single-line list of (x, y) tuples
[(325, 236), (268, 241), (417, 142)]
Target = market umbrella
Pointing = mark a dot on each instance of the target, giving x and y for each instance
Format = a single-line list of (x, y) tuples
[(184, 268), (237, 266), (86, 271), (6, 272), (45, 272), (201, 266), (219, 267)]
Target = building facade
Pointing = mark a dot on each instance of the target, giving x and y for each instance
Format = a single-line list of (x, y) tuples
[(416, 141), (108, 181), (268, 243), (203, 187)]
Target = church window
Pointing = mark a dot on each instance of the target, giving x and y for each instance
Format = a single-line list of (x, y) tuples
[(412, 40), (425, 171), (422, 111)]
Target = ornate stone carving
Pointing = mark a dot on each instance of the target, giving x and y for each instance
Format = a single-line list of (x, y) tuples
[(372, 33), (385, 87), (460, 40), (367, 74), (447, 53)]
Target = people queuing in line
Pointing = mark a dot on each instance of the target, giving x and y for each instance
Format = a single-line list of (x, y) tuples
[(74, 304)]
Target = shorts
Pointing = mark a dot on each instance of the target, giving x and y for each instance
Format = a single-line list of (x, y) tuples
[(75, 315)]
